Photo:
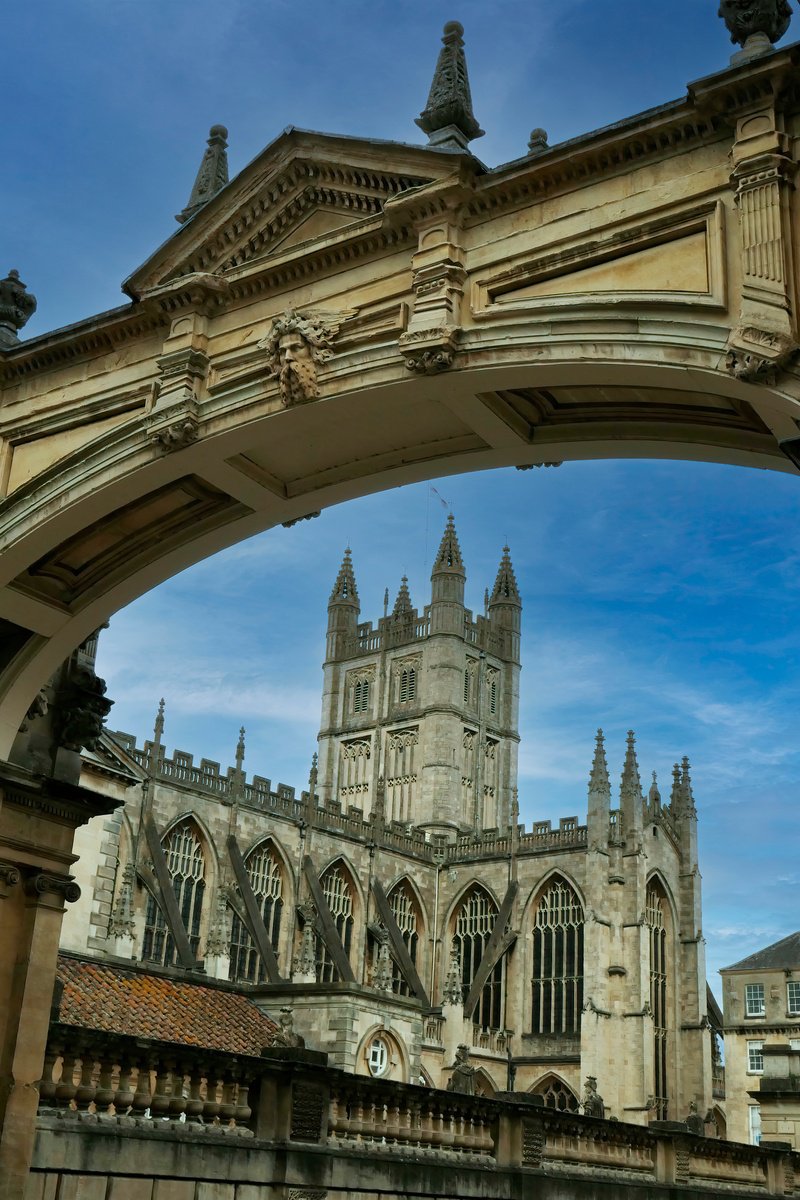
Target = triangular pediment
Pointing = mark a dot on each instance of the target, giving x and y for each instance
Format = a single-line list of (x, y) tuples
[(302, 189), (110, 757)]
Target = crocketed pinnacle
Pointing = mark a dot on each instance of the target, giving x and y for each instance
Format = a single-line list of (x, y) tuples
[(448, 118), (631, 785), (505, 589), (213, 173), (240, 750), (312, 775), (158, 727), (675, 795), (654, 795), (345, 590), (687, 796), (402, 604), (598, 778), (449, 556)]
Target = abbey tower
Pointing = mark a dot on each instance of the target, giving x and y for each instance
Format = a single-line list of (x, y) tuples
[(420, 712)]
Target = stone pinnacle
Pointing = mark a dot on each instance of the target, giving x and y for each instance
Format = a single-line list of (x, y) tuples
[(213, 173), (448, 118)]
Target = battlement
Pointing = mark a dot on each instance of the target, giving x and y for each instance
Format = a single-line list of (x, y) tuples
[(392, 631)]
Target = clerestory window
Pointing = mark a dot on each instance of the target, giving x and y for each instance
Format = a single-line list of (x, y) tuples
[(474, 923), (557, 961)]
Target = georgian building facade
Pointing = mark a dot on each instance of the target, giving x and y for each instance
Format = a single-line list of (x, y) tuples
[(397, 904)]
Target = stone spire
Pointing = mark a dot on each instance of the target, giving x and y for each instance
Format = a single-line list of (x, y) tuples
[(213, 173), (687, 795), (345, 590), (505, 589), (17, 306), (402, 604), (654, 795), (598, 778), (449, 556), (631, 800), (343, 610), (755, 26), (675, 795), (448, 118)]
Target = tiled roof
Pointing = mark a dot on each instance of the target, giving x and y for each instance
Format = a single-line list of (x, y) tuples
[(777, 957), (137, 1004)]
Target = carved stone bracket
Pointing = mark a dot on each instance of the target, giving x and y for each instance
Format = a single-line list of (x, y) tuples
[(429, 351), (60, 885), (758, 355), (82, 710), (176, 429), (9, 878)]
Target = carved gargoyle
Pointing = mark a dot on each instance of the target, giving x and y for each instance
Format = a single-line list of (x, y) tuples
[(83, 708)]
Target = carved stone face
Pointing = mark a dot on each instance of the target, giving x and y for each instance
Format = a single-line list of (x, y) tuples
[(298, 372), (746, 17)]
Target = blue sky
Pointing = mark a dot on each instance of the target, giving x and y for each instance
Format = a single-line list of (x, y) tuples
[(658, 596)]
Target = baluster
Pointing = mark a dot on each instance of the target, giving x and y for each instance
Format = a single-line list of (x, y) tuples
[(84, 1092), (105, 1090), (227, 1111), (212, 1105), (458, 1125), (65, 1088), (177, 1099), (415, 1124), (448, 1135), (195, 1102), (436, 1124), (141, 1097), (426, 1123), (243, 1111), (47, 1084), (162, 1091), (356, 1115), (123, 1097)]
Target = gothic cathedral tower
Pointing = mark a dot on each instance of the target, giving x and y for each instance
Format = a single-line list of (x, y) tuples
[(420, 714)]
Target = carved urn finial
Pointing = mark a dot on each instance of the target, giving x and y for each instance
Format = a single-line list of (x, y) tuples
[(213, 173), (755, 25), (17, 306), (448, 118), (537, 142)]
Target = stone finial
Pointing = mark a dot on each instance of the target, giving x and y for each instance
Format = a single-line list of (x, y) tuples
[(448, 118), (121, 924), (312, 776), (382, 975), (218, 943), (240, 751), (687, 795), (453, 990), (304, 967), (402, 604), (537, 142), (17, 306), (505, 590), (344, 589), (158, 726), (631, 784), (675, 794), (598, 778), (755, 25), (213, 173), (654, 795)]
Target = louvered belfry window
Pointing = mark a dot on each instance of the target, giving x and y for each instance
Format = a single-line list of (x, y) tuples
[(338, 892), (186, 866), (557, 961), (266, 879), (404, 911), (655, 917), (473, 927)]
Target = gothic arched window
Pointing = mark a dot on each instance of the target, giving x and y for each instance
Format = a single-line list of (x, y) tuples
[(657, 921), (338, 891), (266, 879), (557, 982), (187, 868), (404, 910), (557, 1095), (474, 922)]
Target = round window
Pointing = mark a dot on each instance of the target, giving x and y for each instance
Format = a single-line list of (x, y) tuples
[(378, 1057)]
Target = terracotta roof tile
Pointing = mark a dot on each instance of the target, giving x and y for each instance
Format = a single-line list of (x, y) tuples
[(100, 996)]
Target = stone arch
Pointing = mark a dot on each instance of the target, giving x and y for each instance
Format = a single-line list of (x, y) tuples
[(274, 892), (416, 940), (459, 899), (484, 1084), (471, 922), (556, 1093), (556, 922), (280, 851), (399, 1062), (348, 916), (535, 893)]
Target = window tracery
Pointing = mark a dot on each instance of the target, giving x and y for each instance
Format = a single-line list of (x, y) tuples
[(354, 769), (404, 911), (557, 983), (186, 866), (473, 926), (338, 892), (401, 773), (657, 924), (266, 879), (557, 1095)]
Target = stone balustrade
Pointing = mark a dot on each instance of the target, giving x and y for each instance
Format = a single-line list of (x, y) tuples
[(117, 1108)]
